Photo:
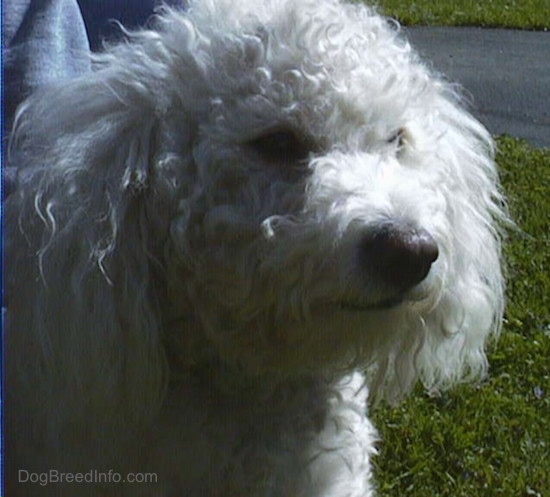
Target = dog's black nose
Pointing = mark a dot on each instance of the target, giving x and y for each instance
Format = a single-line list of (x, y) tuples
[(398, 256)]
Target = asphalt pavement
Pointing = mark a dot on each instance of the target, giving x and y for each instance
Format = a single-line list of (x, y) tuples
[(505, 73)]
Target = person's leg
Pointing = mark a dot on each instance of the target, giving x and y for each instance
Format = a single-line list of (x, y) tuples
[(43, 41)]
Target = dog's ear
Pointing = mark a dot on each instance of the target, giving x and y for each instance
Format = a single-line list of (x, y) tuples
[(84, 275), (447, 344)]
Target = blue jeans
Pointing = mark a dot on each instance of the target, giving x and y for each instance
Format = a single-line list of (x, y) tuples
[(46, 41)]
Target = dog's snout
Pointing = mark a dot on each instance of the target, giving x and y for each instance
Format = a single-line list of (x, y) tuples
[(398, 256)]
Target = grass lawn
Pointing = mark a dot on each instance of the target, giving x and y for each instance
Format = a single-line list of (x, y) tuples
[(522, 14), (491, 439)]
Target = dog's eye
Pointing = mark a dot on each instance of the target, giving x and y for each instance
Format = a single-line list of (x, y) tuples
[(398, 138), (281, 146)]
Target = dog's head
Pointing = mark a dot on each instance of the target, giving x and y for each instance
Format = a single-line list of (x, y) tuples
[(285, 187)]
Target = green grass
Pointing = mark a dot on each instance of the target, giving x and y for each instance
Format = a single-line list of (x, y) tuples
[(491, 439), (521, 14)]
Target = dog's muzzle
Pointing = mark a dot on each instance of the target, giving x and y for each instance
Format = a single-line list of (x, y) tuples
[(396, 257)]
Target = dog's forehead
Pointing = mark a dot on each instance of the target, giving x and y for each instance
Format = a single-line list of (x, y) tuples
[(304, 52), (307, 65), (297, 34)]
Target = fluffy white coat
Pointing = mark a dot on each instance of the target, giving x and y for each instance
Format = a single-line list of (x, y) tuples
[(183, 299)]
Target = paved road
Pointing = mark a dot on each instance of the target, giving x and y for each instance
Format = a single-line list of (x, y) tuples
[(507, 73)]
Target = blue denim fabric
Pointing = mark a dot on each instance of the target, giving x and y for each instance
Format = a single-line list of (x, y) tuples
[(100, 14), (45, 41)]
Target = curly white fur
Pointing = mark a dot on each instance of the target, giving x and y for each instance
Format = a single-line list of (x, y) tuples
[(185, 300)]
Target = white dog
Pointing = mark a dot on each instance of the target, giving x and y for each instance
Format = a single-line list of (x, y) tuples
[(222, 236)]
